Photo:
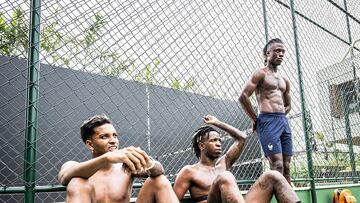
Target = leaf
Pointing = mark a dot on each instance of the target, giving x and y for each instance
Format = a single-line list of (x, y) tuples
[(148, 74), (320, 136), (175, 84), (156, 62), (190, 83)]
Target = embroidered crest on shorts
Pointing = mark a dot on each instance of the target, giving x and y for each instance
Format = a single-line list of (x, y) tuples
[(270, 146)]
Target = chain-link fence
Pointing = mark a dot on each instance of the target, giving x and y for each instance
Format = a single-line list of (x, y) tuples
[(156, 67)]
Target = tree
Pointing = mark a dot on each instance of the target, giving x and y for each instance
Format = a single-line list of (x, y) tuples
[(14, 34), (79, 52)]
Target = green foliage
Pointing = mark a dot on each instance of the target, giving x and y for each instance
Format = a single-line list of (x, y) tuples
[(187, 85), (14, 42), (117, 67), (175, 84), (299, 171), (93, 33), (321, 137), (14, 34), (147, 75), (333, 156), (190, 83), (79, 51)]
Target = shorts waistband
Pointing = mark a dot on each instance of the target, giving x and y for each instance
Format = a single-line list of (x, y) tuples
[(199, 199), (263, 114)]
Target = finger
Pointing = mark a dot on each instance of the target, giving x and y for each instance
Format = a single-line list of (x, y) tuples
[(127, 169), (141, 156), (135, 161), (129, 164), (149, 160)]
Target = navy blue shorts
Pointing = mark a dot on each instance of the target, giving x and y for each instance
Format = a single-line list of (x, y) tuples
[(274, 133)]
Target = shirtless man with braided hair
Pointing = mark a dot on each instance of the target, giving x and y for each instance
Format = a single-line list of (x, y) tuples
[(210, 180), (273, 97)]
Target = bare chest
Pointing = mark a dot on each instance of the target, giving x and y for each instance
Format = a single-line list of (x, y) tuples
[(273, 82), (203, 179), (114, 186)]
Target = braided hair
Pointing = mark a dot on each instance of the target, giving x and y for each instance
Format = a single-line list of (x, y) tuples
[(197, 138), (272, 41)]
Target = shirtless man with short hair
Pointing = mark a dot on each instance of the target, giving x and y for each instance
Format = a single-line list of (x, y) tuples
[(109, 175), (210, 180), (273, 97)]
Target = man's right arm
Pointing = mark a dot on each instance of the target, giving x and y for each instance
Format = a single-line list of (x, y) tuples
[(134, 158), (182, 182), (85, 169), (248, 90)]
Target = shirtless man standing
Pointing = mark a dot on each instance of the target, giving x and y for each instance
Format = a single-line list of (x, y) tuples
[(272, 95), (109, 175), (210, 181)]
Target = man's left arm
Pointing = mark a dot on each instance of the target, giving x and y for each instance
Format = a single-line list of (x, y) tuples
[(286, 96), (235, 150)]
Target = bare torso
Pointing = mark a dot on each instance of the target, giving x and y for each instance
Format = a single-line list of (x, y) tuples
[(112, 184), (269, 92), (202, 178)]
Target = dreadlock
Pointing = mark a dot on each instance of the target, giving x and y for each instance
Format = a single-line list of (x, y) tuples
[(272, 41), (197, 138)]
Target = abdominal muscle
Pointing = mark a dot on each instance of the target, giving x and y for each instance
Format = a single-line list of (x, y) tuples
[(271, 101)]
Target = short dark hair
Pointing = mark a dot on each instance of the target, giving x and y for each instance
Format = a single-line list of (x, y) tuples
[(272, 41), (88, 126), (197, 137)]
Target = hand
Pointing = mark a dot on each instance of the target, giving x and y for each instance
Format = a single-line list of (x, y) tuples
[(209, 119), (150, 163), (133, 157), (254, 126)]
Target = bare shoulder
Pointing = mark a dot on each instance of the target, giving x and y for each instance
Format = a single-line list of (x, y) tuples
[(259, 74), (286, 79), (188, 171), (261, 71), (69, 164)]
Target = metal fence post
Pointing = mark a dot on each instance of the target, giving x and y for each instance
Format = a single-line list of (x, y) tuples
[(266, 26), (32, 102), (347, 22), (350, 39), (346, 110), (303, 104), (345, 99)]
